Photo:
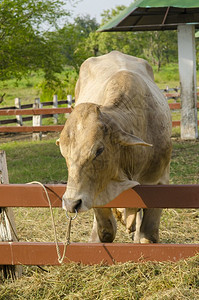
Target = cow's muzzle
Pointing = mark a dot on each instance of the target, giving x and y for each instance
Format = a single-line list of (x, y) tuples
[(71, 205)]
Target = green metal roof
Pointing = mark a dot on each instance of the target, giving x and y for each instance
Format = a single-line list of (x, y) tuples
[(155, 15), (166, 3)]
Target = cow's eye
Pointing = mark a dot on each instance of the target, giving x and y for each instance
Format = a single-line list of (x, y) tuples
[(99, 151)]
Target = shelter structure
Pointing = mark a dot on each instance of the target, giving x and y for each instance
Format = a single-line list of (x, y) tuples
[(180, 15)]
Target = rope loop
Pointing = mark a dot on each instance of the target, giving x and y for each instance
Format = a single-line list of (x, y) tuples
[(67, 237)]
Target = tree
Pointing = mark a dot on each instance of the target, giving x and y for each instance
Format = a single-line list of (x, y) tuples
[(72, 38), (126, 42), (157, 47), (23, 46), (70, 42), (163, 47)]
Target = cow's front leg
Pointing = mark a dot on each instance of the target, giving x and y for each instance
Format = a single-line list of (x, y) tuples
[(104, 226), (149, 229)]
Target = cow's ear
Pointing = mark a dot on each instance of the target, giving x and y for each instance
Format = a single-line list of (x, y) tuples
[(127, 139), (57, 142)]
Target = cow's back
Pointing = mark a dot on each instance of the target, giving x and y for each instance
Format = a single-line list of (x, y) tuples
[(96, 73), (125, 85)]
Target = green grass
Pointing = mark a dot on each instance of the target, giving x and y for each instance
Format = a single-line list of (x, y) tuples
[(42, 161), (32, 86), (26, 89), (168, 75), (185, 162)]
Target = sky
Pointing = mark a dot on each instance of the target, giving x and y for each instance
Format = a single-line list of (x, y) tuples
[(95, 7)]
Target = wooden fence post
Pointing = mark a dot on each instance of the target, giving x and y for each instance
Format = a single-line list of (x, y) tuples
[(7, 224), (37, 121), (188, 83), (18, 105), (69, 99), (55, 105)]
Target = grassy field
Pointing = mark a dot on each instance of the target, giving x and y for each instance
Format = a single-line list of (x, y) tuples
[(121, 281), (33, 86)]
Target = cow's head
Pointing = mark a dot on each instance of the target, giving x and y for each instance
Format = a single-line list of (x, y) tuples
[(90, 142)]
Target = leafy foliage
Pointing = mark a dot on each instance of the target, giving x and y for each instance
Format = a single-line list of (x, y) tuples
[(62, 86), (71, 40), (23, 47), (71, 50)]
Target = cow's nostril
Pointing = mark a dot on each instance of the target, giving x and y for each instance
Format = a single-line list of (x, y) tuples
[(77, 205)]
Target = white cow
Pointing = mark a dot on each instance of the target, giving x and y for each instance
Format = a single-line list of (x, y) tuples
[(118, 134)]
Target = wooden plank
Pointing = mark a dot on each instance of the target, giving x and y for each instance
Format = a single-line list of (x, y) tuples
[(172, 95), (55, 105), (178, 105), (44, 128), (6, 108), (18, 106), (187, 72), (47, 103), (175, 123), (162, 196), (8, 121), (7, 223), (60, 102), (178, 123), (26, 106), (158, 196), (25, 119), (37, 120), (36, 111), (175, 105), (17, 195), (29, 253)]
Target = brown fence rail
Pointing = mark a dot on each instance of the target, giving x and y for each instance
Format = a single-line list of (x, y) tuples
[(174, 106), (49, 112), (23, 253), (172, 196), (34, 112), (43, 128), (48, 103)]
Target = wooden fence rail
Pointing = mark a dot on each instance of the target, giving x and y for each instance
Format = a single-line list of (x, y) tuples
[(30, 129), (29, 109), (53, 112), (47, 103), (172, 196), (23, 253), (34, 112)]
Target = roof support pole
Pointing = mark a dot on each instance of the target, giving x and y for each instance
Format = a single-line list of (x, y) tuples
[(187, 70)]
